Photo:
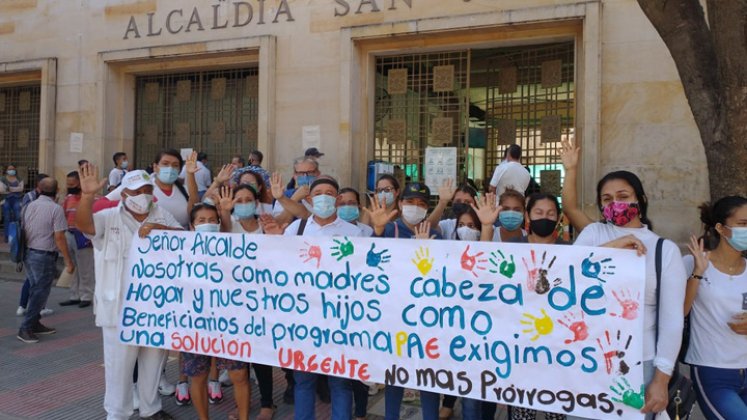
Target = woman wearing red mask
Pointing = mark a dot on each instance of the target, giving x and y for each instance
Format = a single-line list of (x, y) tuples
[(624, 206)]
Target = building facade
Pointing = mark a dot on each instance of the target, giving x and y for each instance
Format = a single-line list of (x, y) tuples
[(362, 80)]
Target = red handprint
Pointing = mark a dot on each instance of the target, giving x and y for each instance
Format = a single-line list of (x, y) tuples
[(628, 304), (314, 252), (578, 327), (469, 262), (612, 350), (532, 272)]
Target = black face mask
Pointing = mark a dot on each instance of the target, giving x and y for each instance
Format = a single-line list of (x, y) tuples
[(542, 227), (73, 191), (459, 208)]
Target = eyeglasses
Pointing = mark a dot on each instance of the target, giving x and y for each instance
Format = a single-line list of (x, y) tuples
[(308, 173)]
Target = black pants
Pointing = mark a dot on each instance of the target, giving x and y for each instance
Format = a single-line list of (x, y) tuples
[(264, 381), (360, 398)]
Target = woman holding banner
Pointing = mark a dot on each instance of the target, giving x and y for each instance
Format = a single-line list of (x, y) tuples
[(624, 205), (717, 303)]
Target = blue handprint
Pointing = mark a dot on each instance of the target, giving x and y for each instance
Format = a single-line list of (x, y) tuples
[(375, 259), (593, 269)]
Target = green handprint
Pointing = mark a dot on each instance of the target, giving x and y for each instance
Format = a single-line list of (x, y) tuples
[(630, 398), (423, 260), (342, 249), (504, 267)]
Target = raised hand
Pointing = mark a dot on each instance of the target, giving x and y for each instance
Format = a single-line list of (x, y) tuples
[(89, 179), (270, 226), (300, 193), (225, 173), (191, 163), (446, 190), (378, 213), (276, 185), (423, 231), (226, 198), (700, 255), (569, 154), (486, 209)]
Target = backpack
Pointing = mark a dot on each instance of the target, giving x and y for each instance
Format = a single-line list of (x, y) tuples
[(17, 242)]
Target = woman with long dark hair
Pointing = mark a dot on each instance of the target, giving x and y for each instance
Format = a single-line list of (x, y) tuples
[(717, 303), (624, 207)]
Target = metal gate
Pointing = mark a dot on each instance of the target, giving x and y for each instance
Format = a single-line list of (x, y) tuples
[(479, 101), (19, 130), (420, 101), (214, 112)]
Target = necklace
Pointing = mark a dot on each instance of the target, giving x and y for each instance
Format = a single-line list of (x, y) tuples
[(731, 270)]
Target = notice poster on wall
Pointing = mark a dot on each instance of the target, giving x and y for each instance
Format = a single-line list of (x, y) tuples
[(440, 165), (554, 328)]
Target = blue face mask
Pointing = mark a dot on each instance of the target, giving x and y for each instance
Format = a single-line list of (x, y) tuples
[(167, 174), (348, 213), (510, 219), (323, 205), (245, 210), (304, 180), (124, 164), (738, 238), (11, 172), (388, 196), (207, 227)]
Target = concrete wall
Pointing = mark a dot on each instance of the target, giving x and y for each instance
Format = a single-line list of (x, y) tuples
[(315, 60)]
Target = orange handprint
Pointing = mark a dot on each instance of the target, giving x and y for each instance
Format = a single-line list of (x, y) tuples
[(469, 262), (313, 252)]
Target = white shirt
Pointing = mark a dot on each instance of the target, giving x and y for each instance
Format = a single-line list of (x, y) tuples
[(448, 228), (366, 230), (497, 234), (236, 227), (278, 208), (671, 315), (115, 176), (176, 204), (510, 174), (337, 228), (115, 227), (712, 342), (202, 176)]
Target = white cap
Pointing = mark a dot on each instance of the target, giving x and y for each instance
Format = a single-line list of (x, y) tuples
[(131, 181)]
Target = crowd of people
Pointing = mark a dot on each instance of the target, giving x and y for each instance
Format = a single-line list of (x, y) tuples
[(98, 217)]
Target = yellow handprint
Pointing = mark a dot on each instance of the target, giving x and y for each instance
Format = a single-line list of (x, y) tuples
[(538, 326), (423, 260)]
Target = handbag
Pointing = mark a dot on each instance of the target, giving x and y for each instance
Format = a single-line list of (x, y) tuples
[(680, 388)]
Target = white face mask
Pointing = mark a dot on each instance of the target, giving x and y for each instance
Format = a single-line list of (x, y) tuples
[(139, 204), (466, 233), (413, 214)]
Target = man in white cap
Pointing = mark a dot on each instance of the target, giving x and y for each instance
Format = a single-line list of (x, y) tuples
[(111, 231)]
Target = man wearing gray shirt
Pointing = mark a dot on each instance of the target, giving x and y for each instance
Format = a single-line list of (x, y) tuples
[(44, 225)]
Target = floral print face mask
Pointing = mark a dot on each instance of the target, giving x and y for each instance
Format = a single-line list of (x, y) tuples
[(620, 213)]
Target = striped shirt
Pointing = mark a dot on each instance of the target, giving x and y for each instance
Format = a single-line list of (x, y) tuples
[(41, 219)]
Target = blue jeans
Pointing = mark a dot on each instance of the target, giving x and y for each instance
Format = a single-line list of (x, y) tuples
[(340, 390), (41, 267), (471, 409), (429, 402), (11, 212), (24, 301), (722, 393)]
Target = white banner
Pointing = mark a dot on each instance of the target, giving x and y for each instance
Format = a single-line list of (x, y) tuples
[(555, 328)]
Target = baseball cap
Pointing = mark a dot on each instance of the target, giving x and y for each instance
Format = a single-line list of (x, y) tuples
[(313, 152), (416, 190), (131, 181)]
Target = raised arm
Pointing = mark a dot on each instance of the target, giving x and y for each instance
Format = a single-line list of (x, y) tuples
[(192, 168), (701, 259), (225, 205), (569, 155), (90, 184), (487, 211), (445, 193), (291, 206)]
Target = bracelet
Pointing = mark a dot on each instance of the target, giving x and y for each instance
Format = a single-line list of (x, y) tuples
[(695, 276)]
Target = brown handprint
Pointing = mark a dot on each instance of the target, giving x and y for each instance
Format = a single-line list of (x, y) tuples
[(628, 304), (537, 276), (614, 349)]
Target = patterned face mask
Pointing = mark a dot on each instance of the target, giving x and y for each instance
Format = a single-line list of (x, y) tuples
[(620, 213)]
